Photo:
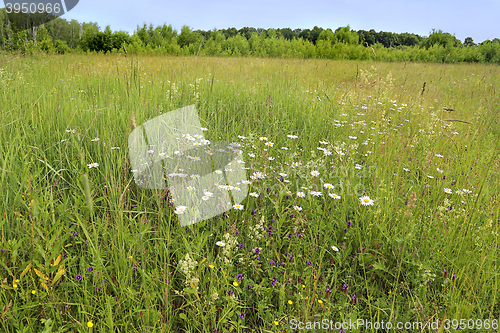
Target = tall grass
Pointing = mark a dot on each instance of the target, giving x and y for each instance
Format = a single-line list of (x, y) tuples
[(110, 256)]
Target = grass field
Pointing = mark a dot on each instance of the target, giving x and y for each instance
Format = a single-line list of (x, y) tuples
[(368, 200)]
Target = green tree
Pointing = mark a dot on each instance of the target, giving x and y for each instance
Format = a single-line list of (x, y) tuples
[(42, 34), (74, 33), (187, 37), (213, 46), (367, 37), (59, 29), (440, 38), (469, 42), (346, 36), (168, 33), (3, 28), (247, 32), (288, 33), (89, 40), (143, 34)]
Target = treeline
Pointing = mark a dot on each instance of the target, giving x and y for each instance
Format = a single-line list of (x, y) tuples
[(61, 36)]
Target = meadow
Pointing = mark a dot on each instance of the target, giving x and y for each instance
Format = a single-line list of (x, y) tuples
[(372, 195)]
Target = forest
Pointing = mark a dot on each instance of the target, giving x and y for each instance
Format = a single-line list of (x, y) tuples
[(62, 36)]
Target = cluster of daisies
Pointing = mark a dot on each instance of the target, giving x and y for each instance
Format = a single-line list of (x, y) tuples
[(257, 175)]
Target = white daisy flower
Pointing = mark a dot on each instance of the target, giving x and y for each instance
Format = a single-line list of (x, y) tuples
[(92, 165), (448, 191), (301, 194), (180, 209), (297, 208), (238, 207), (334, 248), (291, 136), (315, 173), (366, 201), (334, 196), (257, 175), (328, 185), (254, 194), (221, 244)]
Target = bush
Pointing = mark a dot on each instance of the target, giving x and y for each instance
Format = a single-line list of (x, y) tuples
[(46, 45), (61, 47)]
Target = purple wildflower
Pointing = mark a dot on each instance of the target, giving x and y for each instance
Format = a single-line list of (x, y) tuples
[(274, 280)]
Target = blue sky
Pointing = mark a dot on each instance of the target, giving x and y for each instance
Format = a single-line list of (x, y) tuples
[(464, 18)]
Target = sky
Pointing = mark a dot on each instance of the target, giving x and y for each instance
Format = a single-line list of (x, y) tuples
[(463, 18)]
